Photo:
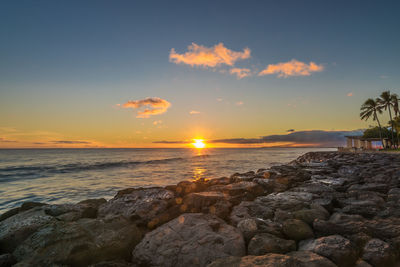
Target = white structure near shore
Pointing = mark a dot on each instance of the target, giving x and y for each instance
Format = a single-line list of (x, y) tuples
[(357, 143)]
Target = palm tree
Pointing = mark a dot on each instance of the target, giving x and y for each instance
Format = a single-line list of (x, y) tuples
[(385, 101), (395, 104), (372, 108)]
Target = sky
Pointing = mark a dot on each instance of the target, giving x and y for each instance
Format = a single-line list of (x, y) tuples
[(161, 73)]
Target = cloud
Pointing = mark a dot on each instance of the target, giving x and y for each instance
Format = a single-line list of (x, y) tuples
[(240, 72), (291, 68), (350, 94), (155, 106), (194, 112), (219, 99), (70, 142), (4, 140), (170, 142), (239, 103), (290, 130), (198, 55), (157, 122), (312, 138)]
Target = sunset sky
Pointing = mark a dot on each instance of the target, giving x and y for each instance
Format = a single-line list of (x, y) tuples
[(161, 73)]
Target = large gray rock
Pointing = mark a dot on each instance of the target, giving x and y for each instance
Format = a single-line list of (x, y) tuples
[(335, 247), (379, 253), (207, 202), (141, 204), (79, 243), (265, 243), (17, 228), (193, 239), (269, 260)]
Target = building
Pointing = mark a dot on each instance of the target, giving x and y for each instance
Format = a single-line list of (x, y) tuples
[(354, 143)]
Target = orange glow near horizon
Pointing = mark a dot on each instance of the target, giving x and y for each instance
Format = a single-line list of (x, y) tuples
[(198, 143)]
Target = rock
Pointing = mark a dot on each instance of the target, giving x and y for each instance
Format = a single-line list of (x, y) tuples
[(265, 243), (342, 224), (310, 259), (365, 208), (141, 205), (7, 260), (374, 187), (269, 260), (243, 177), (17, 228), (25, 206), (248, 227), (246, 190), (80, 243), (335, 247), (379, 253), (186, 187), (116, 263), (250, 210), (309, 215), (207, 202), (289, 201), (362, 263), (297, 230), (190, 240)]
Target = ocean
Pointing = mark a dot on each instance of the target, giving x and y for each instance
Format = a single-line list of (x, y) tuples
[(71, 175)]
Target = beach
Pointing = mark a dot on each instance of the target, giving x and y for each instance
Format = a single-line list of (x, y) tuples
[(323, 209)]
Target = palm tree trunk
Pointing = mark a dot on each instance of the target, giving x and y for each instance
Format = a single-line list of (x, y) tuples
[(390, 116), (380, 128)]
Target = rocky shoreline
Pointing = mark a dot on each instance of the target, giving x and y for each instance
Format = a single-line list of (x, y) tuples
[(323, 209)]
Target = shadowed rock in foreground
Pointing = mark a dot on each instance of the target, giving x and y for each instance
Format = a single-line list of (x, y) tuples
[(323, 209)]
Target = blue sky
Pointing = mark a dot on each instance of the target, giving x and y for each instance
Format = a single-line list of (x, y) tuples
[(66, 65)]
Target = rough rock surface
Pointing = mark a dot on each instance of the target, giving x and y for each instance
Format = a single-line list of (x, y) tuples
[(190, 240), (323, 209)]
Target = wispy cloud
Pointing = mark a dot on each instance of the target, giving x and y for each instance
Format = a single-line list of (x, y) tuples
[(240, 72), (157, 122), (290, 130), (194, 112), (4, 140), (239, 103), (171, 142), (350, 94), (198, 55), (291, 68), (154, 106), (70, 142)]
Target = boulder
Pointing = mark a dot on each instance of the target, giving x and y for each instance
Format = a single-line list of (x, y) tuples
[(80, 243), (192, 239), (269, 260), (244, 190), (289, 201), (265, 243), (7, 260), (297, 229), (335, 247), (379, 253), (248, 227), (309, 215), (310, 259), (138, 204), (207, 202), (250, 210), (17, 228)]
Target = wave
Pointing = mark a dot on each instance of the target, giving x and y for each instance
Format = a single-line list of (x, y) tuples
[(76, 167)]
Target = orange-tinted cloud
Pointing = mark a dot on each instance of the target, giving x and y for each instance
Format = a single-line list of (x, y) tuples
[(240, 72), (292, 68), (217, 55), (155, 106), (193, 112), (350, 94)]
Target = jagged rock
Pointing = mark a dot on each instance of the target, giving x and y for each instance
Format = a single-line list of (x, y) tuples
[(362, 263), (7, 260), (379, 253), (139, 204), (309, 215), (289, 201), (79, 243), (246, 190), (310, 259), (116, 263), (265, 243), (269, 260), (335, 247), (248, 227), (342, 224), (24, 207), (17, 228), (207, 202), (190, 240), (297, 229), (249, 210)]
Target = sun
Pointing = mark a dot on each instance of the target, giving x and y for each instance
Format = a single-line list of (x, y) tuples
[(198, 143)]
